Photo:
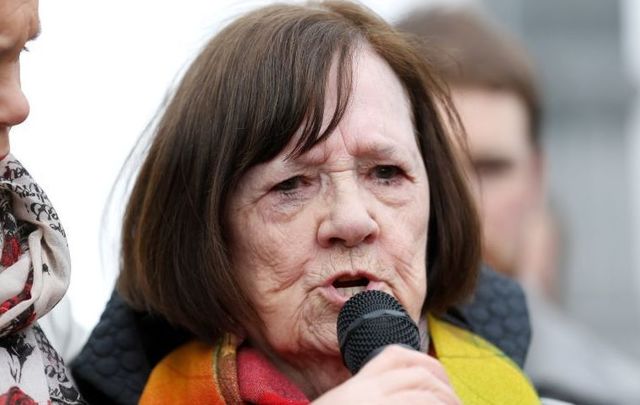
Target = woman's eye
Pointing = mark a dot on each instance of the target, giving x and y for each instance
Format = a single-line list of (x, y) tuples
[(387, 172), (289, 185)]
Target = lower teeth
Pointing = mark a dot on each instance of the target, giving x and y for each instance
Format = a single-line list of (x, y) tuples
[(350, 291)]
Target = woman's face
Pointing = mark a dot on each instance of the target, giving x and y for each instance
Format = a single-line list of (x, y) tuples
[(349, 215)]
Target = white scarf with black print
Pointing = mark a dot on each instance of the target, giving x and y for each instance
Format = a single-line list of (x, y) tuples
[(34, 275)]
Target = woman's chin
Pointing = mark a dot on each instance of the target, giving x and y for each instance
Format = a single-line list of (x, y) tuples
[(322, 348), (312, 342)]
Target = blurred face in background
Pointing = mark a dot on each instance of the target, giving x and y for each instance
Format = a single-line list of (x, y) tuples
[(19, 24), (505, 170)]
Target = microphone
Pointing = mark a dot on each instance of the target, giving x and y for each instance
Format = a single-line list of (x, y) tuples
[(369, 321)]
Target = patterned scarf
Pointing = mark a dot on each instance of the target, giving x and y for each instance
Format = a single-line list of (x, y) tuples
[(34, 275), (197, 373)]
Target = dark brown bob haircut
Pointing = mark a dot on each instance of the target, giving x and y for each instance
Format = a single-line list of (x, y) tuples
[(240, 103), (469, 50)]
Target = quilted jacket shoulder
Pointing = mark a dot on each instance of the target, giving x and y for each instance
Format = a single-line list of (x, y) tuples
[(498, 312), (115, 363)]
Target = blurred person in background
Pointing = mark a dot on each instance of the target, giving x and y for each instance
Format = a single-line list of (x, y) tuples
[(34, 261), (494, 90)]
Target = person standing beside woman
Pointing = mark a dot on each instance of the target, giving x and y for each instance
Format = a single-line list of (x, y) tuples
[(34, 261)]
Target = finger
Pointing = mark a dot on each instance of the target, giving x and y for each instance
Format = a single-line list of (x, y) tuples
[(415, 378), (395, 356), (417, 397)]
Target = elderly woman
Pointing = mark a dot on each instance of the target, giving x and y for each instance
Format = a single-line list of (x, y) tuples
[(302, 159)]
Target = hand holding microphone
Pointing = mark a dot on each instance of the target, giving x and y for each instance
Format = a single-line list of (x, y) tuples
[(379, 344)]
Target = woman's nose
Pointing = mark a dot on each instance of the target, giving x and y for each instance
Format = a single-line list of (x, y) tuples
[(348, 221), (14, 107)]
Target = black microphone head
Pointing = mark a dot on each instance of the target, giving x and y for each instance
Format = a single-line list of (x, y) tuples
[(370, 320)]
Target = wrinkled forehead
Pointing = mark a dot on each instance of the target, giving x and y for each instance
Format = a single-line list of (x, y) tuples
[(377, 121), (374, 88)]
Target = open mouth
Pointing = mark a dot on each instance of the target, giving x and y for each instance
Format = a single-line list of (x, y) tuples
[(349, 286)]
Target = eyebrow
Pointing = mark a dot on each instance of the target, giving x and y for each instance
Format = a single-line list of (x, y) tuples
[(369, 152), (34, 27)]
